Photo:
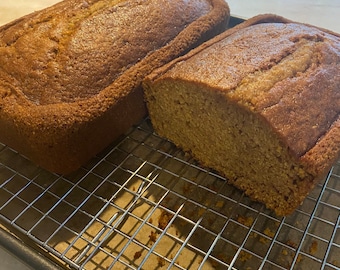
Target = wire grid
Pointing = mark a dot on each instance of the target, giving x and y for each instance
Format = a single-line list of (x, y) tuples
[(144, 204)]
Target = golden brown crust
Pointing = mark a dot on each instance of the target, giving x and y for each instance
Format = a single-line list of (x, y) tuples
[(93, 101), (325, 152)]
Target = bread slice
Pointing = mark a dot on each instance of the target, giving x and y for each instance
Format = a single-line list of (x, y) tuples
[(259, 103), (70, 75)]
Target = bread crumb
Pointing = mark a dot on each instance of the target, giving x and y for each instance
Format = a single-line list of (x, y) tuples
[(164, 219), (299, 258), (219, 204), (291, 244), (153, 236), (313, 248), (269, 232), (161, 261), (245, 256), (137, 255), (263, 240), (247, 221)]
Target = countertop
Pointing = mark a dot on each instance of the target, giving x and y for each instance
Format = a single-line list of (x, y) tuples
[(323, 13)]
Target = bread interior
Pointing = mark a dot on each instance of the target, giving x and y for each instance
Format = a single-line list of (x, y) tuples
[(229, 138)]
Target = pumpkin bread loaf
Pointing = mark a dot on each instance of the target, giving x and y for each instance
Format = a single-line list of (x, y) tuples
[(70, 75), (259, 103)]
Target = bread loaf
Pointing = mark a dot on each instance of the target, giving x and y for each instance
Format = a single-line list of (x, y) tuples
[(70, 75), (259, 103)]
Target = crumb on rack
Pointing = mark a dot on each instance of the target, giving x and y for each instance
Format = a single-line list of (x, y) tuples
[(138, 254), (161, 261), (284, 252), (313, 248), (164, 219), (246, 221), (219, 204), (263, 240), (291, 243), (245, 256), (269, 232), (153, 236), (299, 258)]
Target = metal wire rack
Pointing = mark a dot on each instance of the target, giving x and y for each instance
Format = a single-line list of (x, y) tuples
[(144, 204)]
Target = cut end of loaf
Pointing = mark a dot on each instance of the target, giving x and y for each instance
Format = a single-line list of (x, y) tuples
[(231, 140)]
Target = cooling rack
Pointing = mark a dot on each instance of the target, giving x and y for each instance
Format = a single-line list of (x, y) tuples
[(144, 204)]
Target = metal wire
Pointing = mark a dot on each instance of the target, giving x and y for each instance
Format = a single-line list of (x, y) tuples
[(143, 204)]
